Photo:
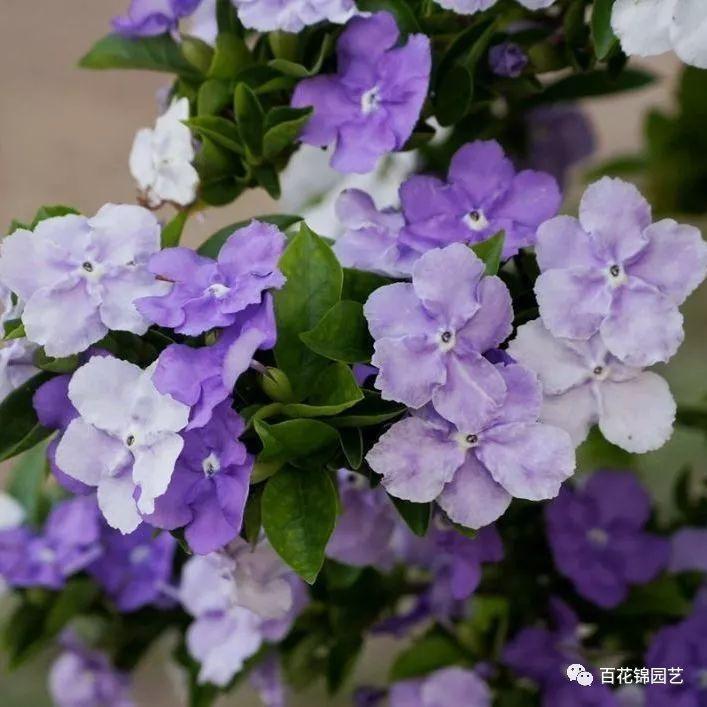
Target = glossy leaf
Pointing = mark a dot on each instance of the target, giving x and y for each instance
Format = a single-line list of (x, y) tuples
[(250, 117), (490, 251), (602, 35)]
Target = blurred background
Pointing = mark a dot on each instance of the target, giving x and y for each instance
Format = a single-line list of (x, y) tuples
[(65, 136)]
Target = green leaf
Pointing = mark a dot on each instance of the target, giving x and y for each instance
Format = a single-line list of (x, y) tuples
[(159, 53), (53, 211), (663, 597), (14, 329), (172, 232), (267, 177), (227, 18), (222, 131), (230, 57), (75, 598), (250, 117), (372, 410), (314, 282), (416, 515), (23, 634), (197, 52), (282, 126), (352, 446), (298, 71), (16, 225), (276, 385), (401, 11), (27, 481), (213, 244), (490, 252), (306, 441), (334, 391), (55, 365), (595, 83), (454, 95), (341, 334), (252, 516), (299, 513), (213, 97), (431, 652), (692, 416), (358, 284), (19, 427), (602, 35), (341, 661)]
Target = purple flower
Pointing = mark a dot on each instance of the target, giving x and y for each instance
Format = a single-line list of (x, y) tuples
[(203, 378), (474, 472), (291, 15), (614, 273), (584, 384), (207, 294), (134, 569), (124, 441), (370, 241), (482, 196), (680, 646), (266, 678), (559, 136), (83, 678), (146, 18), (79, 277), (209, 487), (429, 336), (67, 544), (597, 539), (507, 59), (688, 552), (449, 686), (370, 107)]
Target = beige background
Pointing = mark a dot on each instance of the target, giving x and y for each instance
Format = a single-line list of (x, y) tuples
[(65, 135)]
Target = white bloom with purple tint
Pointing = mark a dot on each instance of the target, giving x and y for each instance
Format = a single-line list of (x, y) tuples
[(78, 276), (615, 273), (291, 15), (448, 686), (16, 365), (124, 441), (583, 384), (470, 7), (161, 159)]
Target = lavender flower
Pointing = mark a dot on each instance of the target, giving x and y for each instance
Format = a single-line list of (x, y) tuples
[(207, 294), (507, 59), (474, 472), (482, 196), (134, 569), (614, 273), (151, 17), (371, 106), (370, 241), (584, 384), (597, 539), (429, 336), (125, 439), (16, 365), (688, 552), (469, 7), (209, 487), (80, 677), (291, 15), (266, 678), (444, 687), (79, 277)]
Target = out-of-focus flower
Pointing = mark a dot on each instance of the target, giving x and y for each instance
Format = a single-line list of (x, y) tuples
[(202, 24), (615, 273), (482, 196), (688, 550), (597, 538), (469, 7), (266, 678), (651, 27), (449, 686), (207, 294), (146, 18), (161, 159), (507, 59), (370, 107), (584, 384), (292, 15), (79, 277), (124, 441)]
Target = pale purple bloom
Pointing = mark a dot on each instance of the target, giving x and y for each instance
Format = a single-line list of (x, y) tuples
[(470, 7), (430, 336), (370, 239), (206, 294), (16, 365), (370, 107), (584, 384), (682, 645), (80, 677), (473, 472), (266, 678), (134, 569), (291, 15), (449, 686), (79, 277), (146, 18), (67, 544), (688, 551), (209, 487), (614, 273), (559, 136), (483, 195), (597, 537), (507, 59), (202, 378), (124, 441)]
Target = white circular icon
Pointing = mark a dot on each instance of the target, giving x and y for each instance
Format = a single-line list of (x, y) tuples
[(574, 670), (585, 679)]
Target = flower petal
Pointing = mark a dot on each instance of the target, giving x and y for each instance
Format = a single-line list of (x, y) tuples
[(395, 310), (563, 243), (153, 468), (115, 499), (643, 27), (482, 170), (574, 411), (493, 321)]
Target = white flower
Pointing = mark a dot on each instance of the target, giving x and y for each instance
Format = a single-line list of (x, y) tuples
[(650, 27), (583, 384), (11, 512), (161, 159), (125, 439), (16, 365), (202, 23)]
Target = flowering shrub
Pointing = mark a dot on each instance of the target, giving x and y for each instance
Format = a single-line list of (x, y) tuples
[(285, 442)]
